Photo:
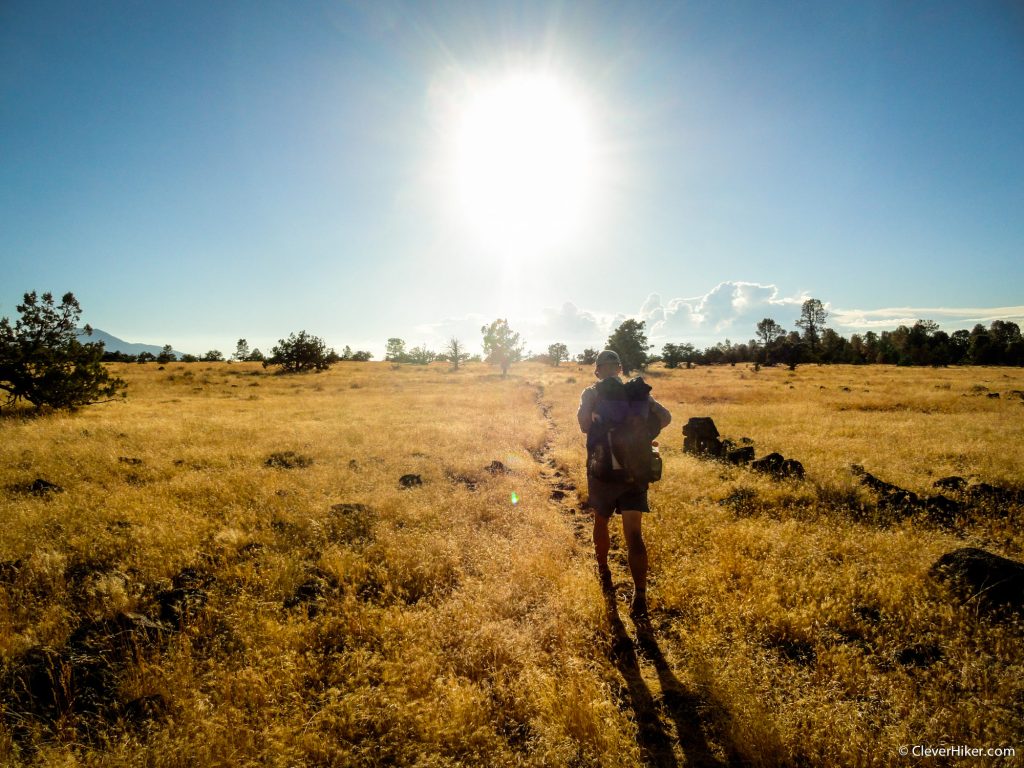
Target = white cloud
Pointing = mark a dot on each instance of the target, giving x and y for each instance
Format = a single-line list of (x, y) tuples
[(948, 318), (730, 309)]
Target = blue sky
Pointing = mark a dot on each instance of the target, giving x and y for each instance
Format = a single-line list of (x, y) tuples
[(200, 172)]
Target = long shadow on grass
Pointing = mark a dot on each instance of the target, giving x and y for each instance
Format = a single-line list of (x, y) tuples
[(676, 702)]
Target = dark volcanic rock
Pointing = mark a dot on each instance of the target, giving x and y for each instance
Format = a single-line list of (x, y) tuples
[(772, 464), (410, 481), (920, 655), (700, 437), (993, 582), (41, 487), (983, 493), (743, 455), (890, 496), (792, 468), (951, 483)]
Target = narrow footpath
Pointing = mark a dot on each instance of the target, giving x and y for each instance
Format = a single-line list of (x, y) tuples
[(670, 724)]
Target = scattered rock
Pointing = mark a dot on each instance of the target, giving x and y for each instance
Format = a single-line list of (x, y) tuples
[(700, 437), (353, 465), (772, 463), (130, 461), (497, 468), (41, 487), (995, 583), (889, 496), (410, 481), (743, 455), (993, 395), (465, 480), (792, 468), (778, 466), (951, 483), (919, 655), (557, 495), (942, 510), (984, 493)]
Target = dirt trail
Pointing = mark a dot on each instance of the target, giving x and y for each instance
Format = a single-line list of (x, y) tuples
[(670, 718)]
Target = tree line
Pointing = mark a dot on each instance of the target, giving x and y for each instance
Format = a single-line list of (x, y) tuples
[(923, 343), (44, 362)]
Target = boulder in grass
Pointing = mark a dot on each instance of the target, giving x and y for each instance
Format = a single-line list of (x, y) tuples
[(41, 487), (410, 481), (792, 468), (700, 437), (992, 582), (771, 464), (743, 455), (952, 483)]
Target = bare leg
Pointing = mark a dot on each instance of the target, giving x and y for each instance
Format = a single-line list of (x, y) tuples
[(601, 545), (602, 541), (636, 548)]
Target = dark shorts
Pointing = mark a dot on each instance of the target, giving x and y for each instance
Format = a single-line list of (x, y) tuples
[(607, 497)]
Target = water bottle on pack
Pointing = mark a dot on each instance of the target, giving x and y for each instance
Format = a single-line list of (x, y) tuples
[(655, 462)]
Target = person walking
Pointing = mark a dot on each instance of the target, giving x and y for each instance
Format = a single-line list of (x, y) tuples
[(611, 495)]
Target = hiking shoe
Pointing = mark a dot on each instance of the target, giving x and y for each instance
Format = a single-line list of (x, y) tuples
[(638, 606), (605, 576)]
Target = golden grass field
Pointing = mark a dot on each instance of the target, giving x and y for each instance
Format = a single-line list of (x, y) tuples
[(182, 603)]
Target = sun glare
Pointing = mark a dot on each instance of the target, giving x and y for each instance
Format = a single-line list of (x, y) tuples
[(524, 157)]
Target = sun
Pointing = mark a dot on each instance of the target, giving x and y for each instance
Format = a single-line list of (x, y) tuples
[(524, 157)]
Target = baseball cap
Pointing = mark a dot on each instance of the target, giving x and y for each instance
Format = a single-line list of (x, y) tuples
[(608, 356)]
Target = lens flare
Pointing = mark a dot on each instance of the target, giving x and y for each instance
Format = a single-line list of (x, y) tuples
[(515, 498)]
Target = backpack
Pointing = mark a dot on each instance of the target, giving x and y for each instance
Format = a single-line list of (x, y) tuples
[(619, 444)]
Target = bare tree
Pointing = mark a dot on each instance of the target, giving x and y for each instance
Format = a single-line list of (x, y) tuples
[(455, 353)]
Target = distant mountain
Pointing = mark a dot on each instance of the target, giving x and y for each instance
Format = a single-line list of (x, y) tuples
[(113, 344)]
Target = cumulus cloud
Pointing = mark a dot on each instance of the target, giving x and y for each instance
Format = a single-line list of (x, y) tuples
[(730, 309)]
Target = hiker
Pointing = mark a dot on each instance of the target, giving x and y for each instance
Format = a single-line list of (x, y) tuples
[(608, 489)]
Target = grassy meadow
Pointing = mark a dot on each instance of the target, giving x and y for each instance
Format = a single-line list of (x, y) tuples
[(232, 573)]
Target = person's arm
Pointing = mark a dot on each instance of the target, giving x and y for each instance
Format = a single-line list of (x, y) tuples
[(585, 414)]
